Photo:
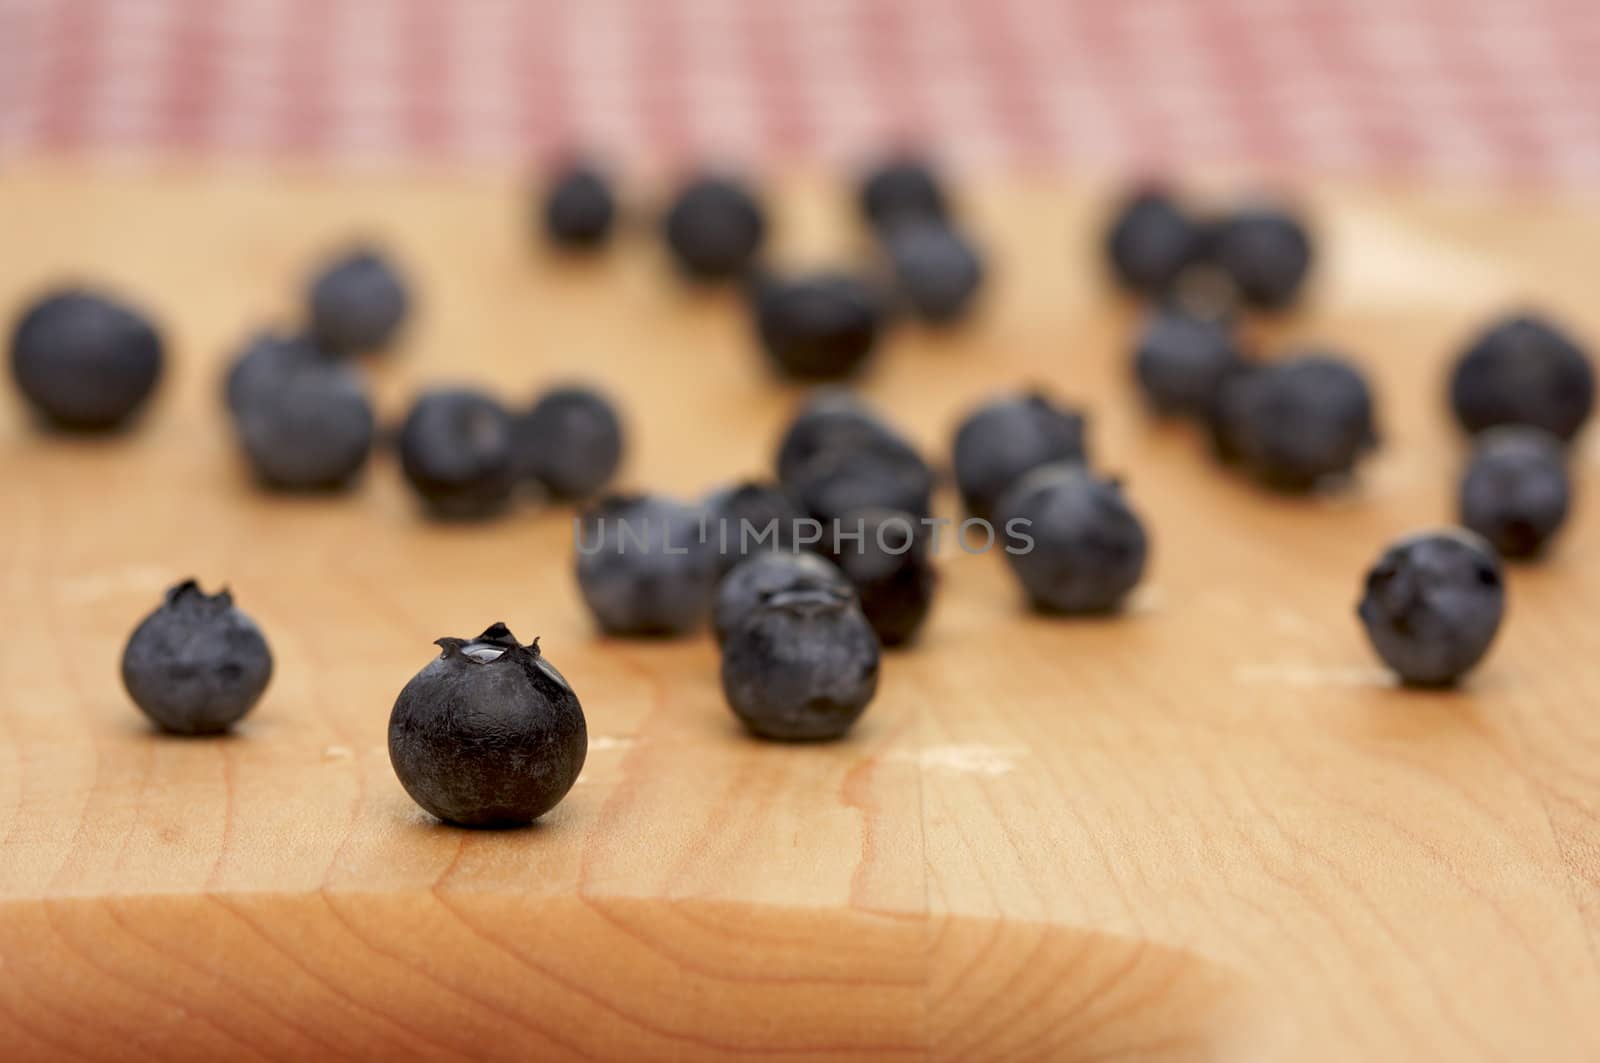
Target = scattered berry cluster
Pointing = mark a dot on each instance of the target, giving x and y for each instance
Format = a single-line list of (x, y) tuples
[(807, 577), (1302, 421), (819, 324)]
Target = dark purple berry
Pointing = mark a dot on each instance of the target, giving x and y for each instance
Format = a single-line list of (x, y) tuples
[(357, 303), (901, 190), (305, 424), (873, 471), (643, 566), (457, 454), (819, 326), (1516, 491), (1182, 360), (832, 416), (749, 519), (1523, 370), (748, 583), (937, 270), (1072, 540), (886, 555), (265, 360), (1003, 440), (570, 442), (801, 666), (714, 229), (1266, 252), (197, 664), (1295, 423), (579, 209), (85, 361), (1150, 242), (489, 734), (1432, 605)]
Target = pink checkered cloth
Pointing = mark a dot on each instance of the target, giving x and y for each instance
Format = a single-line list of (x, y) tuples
[(1499, 88)]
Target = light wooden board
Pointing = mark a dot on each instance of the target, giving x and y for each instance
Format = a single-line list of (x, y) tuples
[(1207, 829)]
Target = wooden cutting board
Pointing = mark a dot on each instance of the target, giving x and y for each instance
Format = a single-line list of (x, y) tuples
[(1209, 828)]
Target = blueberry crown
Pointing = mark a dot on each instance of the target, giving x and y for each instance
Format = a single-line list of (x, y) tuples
[(189, 593), (496, 637)]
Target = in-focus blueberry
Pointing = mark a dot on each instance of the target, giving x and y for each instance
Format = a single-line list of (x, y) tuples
[(1266, 251), (886, 555), (1072, 540), (489, 733), (750, 582), (85, 361), (457, 453), (1150, 242), (570, 442), (1516, 491), (643, 567), (1294, 423), (1523, 370), (818, 326), (1432, 605), (714, 228), (197, 664), (1006, 438), (579, 208), (1181, 361), (357, 302), (801, 667), (937, 270)]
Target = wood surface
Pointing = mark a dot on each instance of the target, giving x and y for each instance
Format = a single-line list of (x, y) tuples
[(1207, 829)]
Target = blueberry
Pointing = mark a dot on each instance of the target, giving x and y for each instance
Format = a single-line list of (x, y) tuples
[(1294, 423), (85, 361), (1516, 492), (1267, 253), (714, 228), (749, 519), (937, 270), (1072, 540), (1182, 360), (1523, 370), (1215, 418), (749, 582), (357, 303), (885, 554), (306, 424), (818, 326), (579, 209), (489, 734), (801, 667), (266, 358), (457, 453), (643, 567), (903, 189), (833, 415), (862, 471), (570, 442), (1432, 605), (837, 456), (197, 664), (1150, 242), (1000, 442)]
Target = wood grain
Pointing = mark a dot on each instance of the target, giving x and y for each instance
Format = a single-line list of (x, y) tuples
[(1208, 829)]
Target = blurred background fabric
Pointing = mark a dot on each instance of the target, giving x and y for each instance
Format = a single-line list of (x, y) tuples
[(1506, 89)]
